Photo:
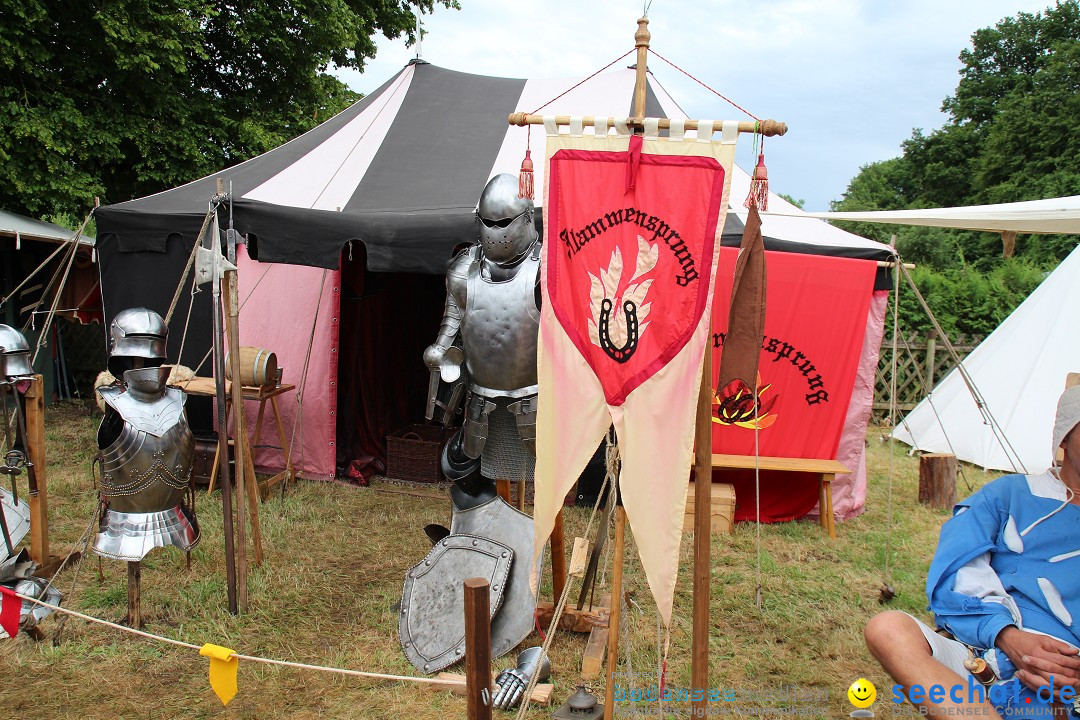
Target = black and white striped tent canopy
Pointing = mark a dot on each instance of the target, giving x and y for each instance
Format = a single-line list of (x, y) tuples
[(401, 171)]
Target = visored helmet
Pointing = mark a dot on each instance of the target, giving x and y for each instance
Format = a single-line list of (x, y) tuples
[(506, 220), (136, 333), (14, 353)]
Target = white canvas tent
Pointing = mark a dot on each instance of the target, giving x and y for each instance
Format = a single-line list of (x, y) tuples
[(1019, 370), (1053, 215)]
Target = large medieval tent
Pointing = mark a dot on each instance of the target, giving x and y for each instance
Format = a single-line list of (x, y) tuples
[(372, 203)]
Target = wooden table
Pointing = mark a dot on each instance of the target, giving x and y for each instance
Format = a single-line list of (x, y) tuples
[(825, 469), (205, 386)]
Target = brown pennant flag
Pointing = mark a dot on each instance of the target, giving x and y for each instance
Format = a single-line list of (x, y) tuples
[(746, 316)]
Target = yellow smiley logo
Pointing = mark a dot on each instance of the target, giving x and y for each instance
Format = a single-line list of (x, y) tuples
[(862, 693)]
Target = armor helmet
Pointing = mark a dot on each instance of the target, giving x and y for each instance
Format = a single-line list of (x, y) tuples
[(506, 221), (14, 353), (136, 333)]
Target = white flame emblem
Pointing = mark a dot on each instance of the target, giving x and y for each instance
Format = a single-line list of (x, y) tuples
[(619, 319)]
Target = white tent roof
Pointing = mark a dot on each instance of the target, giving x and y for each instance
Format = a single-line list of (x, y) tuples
[(1055, 215), (1020, 371)]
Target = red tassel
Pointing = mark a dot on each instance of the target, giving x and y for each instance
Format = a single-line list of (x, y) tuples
[(525, 178), (759, 186), (10, 612)]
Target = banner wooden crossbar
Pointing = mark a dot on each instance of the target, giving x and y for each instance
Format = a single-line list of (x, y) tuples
[(769, 128)]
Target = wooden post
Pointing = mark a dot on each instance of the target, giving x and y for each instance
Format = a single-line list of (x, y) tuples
[(502, 488), (699, 649), (239, 446), (134, 588), (521, 495), (478, 649), (616, 610), (937, 480), (35, 453), (931, 350), (558, 558)]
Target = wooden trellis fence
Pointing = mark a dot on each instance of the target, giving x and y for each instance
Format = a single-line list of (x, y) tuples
[(920, 363)]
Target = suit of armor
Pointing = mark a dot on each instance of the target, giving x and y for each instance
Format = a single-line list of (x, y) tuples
[(146, 447), (487, 344), (490, 326)]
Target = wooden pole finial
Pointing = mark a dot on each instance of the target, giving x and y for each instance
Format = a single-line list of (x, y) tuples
[(642, 36), (641, 42)]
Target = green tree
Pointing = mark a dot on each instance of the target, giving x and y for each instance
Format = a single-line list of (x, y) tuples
[(120, 98), (1013, 134)]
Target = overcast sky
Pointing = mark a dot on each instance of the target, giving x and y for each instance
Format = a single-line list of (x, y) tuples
[(852, 78)]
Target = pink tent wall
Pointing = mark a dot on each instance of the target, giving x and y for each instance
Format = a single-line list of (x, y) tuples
[(849, 491), (279, 304)]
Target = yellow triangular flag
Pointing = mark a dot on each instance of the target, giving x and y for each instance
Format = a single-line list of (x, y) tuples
[(222, 670)]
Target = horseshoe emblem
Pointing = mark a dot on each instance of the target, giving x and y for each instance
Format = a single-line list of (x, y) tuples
[(618, 354)]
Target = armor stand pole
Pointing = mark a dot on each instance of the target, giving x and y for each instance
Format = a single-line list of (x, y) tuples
[(134, 588)]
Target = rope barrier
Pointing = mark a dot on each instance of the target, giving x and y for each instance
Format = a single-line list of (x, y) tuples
[(240, 656)]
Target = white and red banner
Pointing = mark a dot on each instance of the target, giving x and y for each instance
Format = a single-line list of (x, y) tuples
[(632, 234)]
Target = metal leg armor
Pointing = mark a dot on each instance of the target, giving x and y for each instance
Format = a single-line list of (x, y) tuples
[(524, 412), (476, 424)]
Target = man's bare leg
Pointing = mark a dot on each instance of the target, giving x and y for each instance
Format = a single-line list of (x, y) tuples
[(898, 644)]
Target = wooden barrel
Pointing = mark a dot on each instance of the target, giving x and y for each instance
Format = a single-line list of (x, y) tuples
[(258, 367)]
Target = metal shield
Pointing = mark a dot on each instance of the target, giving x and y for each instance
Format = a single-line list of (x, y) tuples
[(507, 526), (431, 625)]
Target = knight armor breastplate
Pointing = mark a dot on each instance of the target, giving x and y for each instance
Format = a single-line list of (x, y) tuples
[(499, 330), (145, 474)]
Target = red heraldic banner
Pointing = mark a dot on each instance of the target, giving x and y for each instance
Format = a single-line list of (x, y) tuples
[(815, 320), (632, 233)]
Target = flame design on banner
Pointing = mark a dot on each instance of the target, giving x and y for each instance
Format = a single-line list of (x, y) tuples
[(617, 333), (734, 405)]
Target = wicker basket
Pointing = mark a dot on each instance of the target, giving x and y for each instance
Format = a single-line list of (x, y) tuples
[(412, 453)]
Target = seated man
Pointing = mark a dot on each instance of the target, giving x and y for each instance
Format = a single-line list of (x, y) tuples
[(1005, 583)]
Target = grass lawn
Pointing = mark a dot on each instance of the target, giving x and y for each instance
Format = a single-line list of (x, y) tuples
[(335, 560)]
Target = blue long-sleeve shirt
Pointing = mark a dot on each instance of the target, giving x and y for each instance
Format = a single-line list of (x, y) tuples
[(1029, 534)]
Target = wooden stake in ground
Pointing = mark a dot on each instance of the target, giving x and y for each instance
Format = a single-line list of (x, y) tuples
[(478, 648), (937, 480)]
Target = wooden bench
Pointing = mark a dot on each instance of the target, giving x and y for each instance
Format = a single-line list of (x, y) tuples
[(825, 469)]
